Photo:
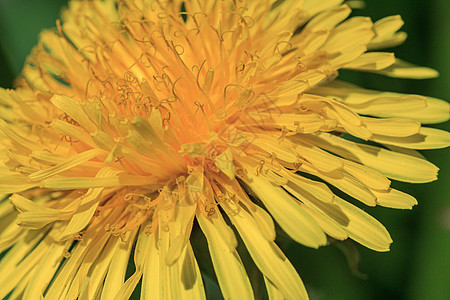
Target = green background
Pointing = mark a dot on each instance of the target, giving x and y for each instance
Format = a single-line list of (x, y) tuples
[(418, 265)]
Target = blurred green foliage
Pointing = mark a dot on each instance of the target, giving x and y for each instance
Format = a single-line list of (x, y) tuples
[(418, 265)]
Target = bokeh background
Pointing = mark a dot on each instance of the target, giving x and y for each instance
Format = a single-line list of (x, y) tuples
[(418, 265)]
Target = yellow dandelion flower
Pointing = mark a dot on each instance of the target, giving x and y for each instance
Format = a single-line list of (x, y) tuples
[(135, 122)]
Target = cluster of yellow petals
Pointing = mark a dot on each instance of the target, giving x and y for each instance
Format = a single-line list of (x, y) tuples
[(133, 118)]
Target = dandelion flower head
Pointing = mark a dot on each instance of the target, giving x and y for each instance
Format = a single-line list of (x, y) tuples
[(135, 122)]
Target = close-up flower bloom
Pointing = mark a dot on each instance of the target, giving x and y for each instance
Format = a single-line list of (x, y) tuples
[(136, 122)]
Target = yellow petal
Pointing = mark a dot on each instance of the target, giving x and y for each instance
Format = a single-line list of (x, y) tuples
[(86, 209), (364, 229), (387, 26), (18, 272), (18, 252), (391, 164), (182, 280), (69, 130), (328, 225), (233, 280), (395, 199), (312, 7), (225, 163), (266, 255), (96, 279), (74, 109), (64, 278), (21, 138), (346, 183), (308, 42), (402, 69), (316, 189), (435, 111), (351, 36), (368, 176), (93, 109), (10, 234), (271, 145), (81, 278), (328, 19), (386, 33), (115, 277), (372, 61), (141, 145), (427, 138), (320, 159), (15, 183), (127, 289), (156, 121), (265, 222), (180, 230), (70, 163), (84, 213), (272, 291), (392, 127), (298, 224), (426, 110)]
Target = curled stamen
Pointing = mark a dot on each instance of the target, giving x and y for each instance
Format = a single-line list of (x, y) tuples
[(165, 120), (173, 89), (301, 66), (193, 16), (218, 31), (129, 77), (78, 236), (240, 66), (302, 107), (284, 132), (226, 89), (297, 123), (148, 230), (69, 120), (179, 49), (145, 39), (246, 19), (211, 211), (146, 60), (241, 172), (280, 43), (213, 154), (297, 166), (250, 101), (120, 99), (259, 168), (178, 33), (272, 157), (220, 198), (198, 73), (197, 31), (252, 55), (166, 100)]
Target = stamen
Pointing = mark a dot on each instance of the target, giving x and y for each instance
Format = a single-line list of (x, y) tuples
[(78, 236), (284, 132), (259, 168), (200, 106)]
